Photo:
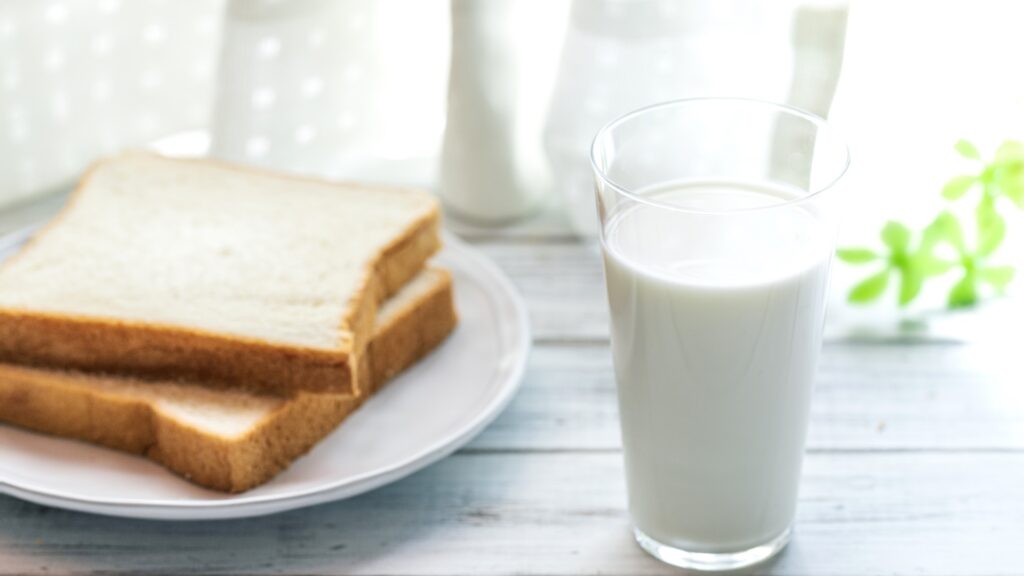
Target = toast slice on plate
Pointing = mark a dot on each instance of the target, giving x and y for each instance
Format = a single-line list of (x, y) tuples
[(228, 440), (213, 273)]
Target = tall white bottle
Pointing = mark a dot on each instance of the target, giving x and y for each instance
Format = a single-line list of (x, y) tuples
[(502, 67)]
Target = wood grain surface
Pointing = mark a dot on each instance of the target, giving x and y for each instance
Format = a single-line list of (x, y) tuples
[(915, 465)]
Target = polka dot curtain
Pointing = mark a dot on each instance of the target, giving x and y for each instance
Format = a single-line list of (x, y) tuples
[(360, 89), (336, 88), (80, 78)]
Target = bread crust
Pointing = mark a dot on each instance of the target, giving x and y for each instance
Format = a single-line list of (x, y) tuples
[(155, 350), (67, 404)]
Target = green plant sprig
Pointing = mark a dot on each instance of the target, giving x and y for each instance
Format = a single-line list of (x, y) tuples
[(913, 258)]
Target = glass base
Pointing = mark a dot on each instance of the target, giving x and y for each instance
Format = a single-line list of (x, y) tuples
[(712, 561)]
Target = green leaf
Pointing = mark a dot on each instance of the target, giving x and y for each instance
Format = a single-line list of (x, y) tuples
[(991, 227), (998, 276), (870, 288), (945, 228), (910, 286), (986, 210), (856, 255), (1014, 190), (896, 236), (928, 265), (967, 150), (1010, 151), (964, 293), (1008, 180), (988, 175), (958, 186), (932, 235)]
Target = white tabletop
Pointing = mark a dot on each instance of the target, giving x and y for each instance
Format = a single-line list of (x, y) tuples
[(915, 465)]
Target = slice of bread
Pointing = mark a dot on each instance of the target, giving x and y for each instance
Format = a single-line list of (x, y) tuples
[(228, 440), (218, 274)]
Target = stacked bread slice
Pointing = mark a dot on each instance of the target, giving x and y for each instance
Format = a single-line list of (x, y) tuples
[(219, 320)]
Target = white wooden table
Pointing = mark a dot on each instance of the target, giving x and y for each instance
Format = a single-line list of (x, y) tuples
[(915, 465)]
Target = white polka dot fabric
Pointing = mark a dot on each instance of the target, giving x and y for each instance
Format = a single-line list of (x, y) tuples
[(342, 88), (80, 78), (358, 89)]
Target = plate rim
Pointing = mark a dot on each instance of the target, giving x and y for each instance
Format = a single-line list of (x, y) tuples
[(242, 506)]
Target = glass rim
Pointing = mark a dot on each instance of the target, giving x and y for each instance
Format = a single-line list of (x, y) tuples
[(793, 111)]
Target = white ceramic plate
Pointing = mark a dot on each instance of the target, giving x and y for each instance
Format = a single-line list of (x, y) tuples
[(423, 415)]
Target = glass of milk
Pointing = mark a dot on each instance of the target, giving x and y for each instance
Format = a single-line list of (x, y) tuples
[(717, 227)]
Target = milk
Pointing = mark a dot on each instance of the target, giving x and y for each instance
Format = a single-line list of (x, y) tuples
[(716, 328)]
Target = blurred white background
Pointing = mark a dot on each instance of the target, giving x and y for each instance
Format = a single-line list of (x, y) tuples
[(918, 76), (83, 78), (360, 89)]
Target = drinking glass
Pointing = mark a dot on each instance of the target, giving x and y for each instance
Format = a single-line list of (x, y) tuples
[(718, 221)]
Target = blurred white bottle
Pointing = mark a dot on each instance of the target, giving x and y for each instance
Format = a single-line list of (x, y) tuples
[(620, 55), (502, 69)]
